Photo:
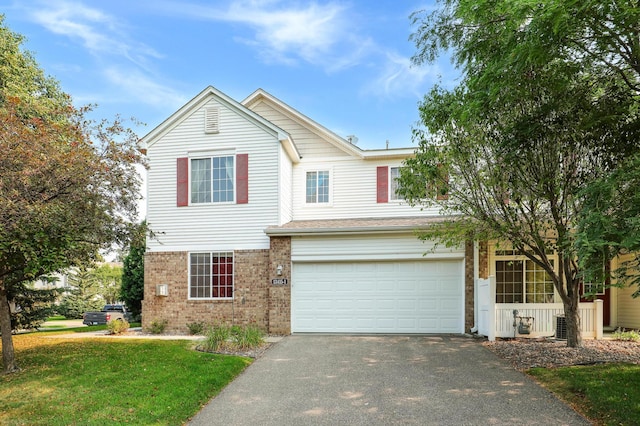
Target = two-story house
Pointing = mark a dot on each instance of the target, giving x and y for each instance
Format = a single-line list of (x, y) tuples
[(264, 216)]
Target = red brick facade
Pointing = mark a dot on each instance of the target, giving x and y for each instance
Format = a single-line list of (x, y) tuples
[(469, 287), (250, 304)]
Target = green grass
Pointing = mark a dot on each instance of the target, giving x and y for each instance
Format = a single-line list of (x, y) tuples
[(81, 329), (98, 381), (608, 394)]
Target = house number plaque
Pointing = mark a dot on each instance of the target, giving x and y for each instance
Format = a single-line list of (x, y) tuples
[(279, 281)]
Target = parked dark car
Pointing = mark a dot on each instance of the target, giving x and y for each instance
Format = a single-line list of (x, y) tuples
[(108, 313)]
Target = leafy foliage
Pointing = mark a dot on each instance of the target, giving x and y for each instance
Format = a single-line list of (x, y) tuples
[(132, 289), (546, 108), (33, 307), (235, 338), (158, 326), (196, 328), (626, 335), (81, 297), (68, 186), (109, 280), (117, 326)]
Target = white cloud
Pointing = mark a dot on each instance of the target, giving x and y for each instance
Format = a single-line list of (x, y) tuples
[(143, 89), (99, 33), (399, 77), (318, 34)]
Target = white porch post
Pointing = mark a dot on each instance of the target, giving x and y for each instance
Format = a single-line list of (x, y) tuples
[(492, 309), (599, 318)]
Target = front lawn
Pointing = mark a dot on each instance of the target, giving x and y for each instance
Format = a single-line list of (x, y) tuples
[(106, 381), (608, 394)]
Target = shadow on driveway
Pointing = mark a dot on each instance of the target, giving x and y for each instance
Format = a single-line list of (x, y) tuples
[(382, 380)]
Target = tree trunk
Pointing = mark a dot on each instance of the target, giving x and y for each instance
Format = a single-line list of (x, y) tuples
[(8, 354), (572, 316)]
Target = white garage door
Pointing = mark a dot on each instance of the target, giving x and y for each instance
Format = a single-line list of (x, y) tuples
[(378, 297)]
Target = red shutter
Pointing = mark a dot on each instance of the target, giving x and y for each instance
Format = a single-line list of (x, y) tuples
[(183, 182), (443, 188), (383, 184), (242, 178)]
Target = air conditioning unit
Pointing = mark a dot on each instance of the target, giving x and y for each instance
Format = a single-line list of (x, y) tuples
[(162, 290), (561, 327)]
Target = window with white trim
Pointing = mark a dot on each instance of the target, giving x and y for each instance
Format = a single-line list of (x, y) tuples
[(593, 289), (317, 187), (212, 179), (521, 280), (394, 185), (211, 275)]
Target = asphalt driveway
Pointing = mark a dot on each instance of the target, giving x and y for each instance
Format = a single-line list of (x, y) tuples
[(382, 380)]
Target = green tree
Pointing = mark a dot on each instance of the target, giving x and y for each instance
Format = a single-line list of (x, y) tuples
[(546, 106), (68, 186), (32, 307), (84, 294), (109, 279), (132, 290)]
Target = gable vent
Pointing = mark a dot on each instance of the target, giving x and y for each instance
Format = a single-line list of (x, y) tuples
[(211, 120)]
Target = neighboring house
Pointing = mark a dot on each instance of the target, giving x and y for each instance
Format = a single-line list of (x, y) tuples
[(264, 216), (57, 280)]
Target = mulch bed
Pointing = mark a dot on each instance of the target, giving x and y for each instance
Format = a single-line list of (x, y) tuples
[(526, 353)]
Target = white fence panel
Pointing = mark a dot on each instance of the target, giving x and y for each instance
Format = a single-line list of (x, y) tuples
[(542, 319)]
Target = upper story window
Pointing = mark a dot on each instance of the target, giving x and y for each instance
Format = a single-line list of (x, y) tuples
[(212, 180), (317, 187), (209, 178), (394, 185)]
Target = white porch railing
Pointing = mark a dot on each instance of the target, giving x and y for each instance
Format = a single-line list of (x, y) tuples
[(500, 320)]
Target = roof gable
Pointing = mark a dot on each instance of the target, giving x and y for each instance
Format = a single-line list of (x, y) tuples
[(202, 98), (322, 132)]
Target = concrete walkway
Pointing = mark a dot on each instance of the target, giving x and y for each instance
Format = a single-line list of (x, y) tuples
[(383, 380)]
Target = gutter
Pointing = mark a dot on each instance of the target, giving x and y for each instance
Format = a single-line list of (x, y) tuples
[(356, 230)]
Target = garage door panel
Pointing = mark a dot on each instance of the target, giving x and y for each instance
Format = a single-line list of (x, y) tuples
[(378, 297)]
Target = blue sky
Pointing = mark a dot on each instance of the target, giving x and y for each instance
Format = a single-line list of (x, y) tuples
[(345, 64)]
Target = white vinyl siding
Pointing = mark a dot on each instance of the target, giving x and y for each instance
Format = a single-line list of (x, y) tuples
[(404, 246), (309, 144), (628, 308), (213, 227), (286, 187), (353, 180), (353, 192)]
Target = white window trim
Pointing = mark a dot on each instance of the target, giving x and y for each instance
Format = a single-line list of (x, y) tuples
[(203, 155), (304, 187), (211, 252), (391, 192), (599, 293), (521, 257)]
